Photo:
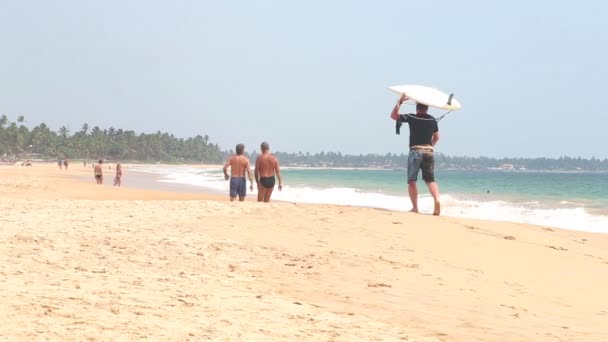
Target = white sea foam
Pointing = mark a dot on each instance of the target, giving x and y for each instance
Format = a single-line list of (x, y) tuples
[(573, 216)]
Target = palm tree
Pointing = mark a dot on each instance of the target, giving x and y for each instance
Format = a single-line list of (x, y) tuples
[(64, 132)]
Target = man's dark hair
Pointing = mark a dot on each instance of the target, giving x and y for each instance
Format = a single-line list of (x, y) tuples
[(421, 107), (100, 161), (264, 146), (240, 148)]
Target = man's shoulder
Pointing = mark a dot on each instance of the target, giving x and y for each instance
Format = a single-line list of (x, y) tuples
[(267, 156), (238, 158), (425, 116)]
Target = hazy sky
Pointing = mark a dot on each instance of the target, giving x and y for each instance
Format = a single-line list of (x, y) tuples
[(312, 75)]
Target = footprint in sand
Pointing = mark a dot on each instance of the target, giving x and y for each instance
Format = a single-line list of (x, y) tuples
[(379, 285)]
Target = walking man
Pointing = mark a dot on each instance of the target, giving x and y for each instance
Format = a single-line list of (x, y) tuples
[(266, 167), (424, 135), (239, 165)]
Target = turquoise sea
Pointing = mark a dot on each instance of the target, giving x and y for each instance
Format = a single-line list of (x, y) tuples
[(576, 200)]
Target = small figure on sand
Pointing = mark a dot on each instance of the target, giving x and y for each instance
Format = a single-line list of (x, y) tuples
[(118, 177), (239, 164), (65, 163), (60, 164), (266, 167), (424, 134), (98, 172)]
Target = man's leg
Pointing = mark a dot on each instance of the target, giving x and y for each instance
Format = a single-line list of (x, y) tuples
[(242, 190), (412, 189), (268, 194), (234, 189), (434, 190), (261, 193), (428, 174), (414, 161)]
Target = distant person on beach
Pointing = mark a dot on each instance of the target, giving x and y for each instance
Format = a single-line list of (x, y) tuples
[(118, 178), (266, 167), (239, 165), (60, 164), (424, 134), (65, 163), (98, 172)]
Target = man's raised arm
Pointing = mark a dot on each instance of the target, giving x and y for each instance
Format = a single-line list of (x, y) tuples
[(395, 112)]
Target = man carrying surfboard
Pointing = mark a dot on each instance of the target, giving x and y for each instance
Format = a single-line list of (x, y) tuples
[(424, 134)]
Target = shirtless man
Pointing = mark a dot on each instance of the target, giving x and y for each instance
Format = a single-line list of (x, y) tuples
[(266, 166), (239, 164), (118, 178), (97, 171)]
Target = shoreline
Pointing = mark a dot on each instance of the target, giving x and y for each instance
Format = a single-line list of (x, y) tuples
[(579, 213)]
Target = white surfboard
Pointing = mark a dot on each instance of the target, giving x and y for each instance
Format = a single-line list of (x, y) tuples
[(428, 96)]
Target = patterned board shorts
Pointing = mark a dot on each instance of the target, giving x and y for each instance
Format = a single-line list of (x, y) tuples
[(238, 187), (421, 159)]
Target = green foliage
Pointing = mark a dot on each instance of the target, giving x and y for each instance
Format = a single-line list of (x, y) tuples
[(399, 161), (96, 143)]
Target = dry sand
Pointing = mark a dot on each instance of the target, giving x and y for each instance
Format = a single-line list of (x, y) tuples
[(85, 262)]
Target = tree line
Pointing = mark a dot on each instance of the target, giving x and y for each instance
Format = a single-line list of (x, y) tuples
[(17, 141), (399, 161)]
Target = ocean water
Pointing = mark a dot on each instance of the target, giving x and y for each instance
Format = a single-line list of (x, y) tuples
[(576, 201)]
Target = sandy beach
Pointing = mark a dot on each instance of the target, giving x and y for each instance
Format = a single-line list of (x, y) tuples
[(80, 261)]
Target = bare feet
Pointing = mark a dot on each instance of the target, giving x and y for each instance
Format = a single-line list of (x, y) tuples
[(437, 210), (414, 210)]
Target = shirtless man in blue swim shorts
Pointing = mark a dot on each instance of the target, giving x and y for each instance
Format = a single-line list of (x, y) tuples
[(239, 164)]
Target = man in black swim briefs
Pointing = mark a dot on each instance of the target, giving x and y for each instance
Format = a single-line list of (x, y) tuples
[(424, 134), (98, 172), (266, 167)]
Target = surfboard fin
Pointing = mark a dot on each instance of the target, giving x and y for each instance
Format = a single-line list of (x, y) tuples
[(450, 99)]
